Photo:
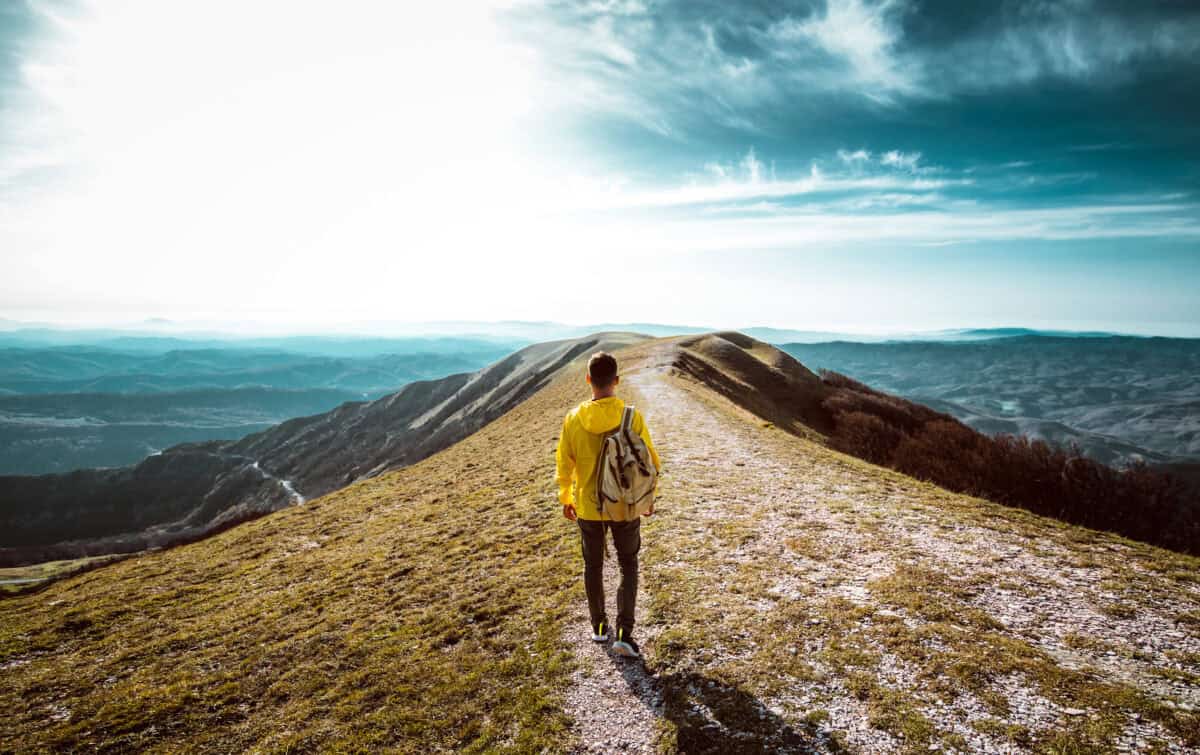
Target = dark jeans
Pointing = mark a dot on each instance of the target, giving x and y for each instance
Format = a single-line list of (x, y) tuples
[(627, 537)]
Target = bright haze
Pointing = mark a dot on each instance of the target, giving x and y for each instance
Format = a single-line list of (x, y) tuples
[(832, 164)]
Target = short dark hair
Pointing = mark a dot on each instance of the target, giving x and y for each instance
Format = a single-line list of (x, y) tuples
[(602, 369)]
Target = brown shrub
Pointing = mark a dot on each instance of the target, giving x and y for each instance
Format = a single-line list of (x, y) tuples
[(866, 436), (1137, 502)]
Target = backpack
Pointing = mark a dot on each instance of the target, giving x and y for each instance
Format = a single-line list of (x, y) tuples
[(625, 473)]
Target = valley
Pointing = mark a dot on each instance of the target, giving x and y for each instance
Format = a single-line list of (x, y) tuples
[(1120, 398), (77, 406)]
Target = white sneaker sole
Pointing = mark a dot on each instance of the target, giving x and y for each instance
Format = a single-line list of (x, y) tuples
[(625, 649), (599, 638)]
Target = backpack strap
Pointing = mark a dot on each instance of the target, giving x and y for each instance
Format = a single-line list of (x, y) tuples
[(627, 431)]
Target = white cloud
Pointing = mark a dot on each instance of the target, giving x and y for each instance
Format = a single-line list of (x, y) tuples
[(605, 42), (727, 189), (863, 35), (857, 157), (897, 159), (892, 198), (753, 167), (799, 227)]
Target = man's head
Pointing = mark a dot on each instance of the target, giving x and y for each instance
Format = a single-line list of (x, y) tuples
[(602, 374)]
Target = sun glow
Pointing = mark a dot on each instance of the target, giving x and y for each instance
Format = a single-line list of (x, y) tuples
[(271, 148)]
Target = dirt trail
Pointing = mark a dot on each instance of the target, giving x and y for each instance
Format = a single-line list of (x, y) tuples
[(694, 438), (857, 529), (615, 701)]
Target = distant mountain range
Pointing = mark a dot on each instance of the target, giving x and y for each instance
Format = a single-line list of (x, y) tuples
[(404, 337), (195, 488), (337, 346), (72, 407), (92, 369), (217, 384), (1119, 398)]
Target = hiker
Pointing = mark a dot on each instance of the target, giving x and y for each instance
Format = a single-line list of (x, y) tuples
[(601, 430)]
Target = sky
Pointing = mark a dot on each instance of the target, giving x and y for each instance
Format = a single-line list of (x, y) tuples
[(827, 164)]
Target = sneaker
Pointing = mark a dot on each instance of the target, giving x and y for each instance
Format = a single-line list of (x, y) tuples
[(599, 633), (625, 645)]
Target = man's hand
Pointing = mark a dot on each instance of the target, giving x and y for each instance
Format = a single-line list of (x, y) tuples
[(569, 511), (649, 511)]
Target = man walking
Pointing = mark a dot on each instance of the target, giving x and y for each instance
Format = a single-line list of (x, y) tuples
[(579, 447)]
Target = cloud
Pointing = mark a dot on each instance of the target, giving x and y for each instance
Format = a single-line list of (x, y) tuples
[(1083, 41), (793, 228), (855, 197), (753, 167), (897, 159), (857, 157), (751, 179), (679, 68), (864, 36), (606, 43)]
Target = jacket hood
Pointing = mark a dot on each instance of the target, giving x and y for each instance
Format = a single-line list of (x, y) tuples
[(601, 415)]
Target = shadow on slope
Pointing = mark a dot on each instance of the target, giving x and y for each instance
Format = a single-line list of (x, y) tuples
[(193, 490), (714, 718), (757, 377)]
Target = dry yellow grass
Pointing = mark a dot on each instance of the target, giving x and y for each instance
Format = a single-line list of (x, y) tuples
[(421, 609)]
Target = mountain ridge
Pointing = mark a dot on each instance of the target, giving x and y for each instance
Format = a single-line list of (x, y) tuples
[(794, 599), (195, 488)]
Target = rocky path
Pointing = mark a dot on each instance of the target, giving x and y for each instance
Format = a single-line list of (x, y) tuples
[(614, 701), (701, 446), (858, 559)]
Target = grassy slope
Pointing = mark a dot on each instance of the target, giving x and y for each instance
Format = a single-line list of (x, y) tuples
[(17, 579), (423, 610)]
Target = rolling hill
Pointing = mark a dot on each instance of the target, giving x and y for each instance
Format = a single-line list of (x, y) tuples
[(64, 408), (196, 488), (794, 599)]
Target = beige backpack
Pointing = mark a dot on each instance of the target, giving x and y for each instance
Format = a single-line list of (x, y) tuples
[(625, 474)]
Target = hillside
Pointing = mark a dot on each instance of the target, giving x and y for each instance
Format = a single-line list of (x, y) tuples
[(793, 599), (64, 408), (193, 489), (1118, 398), (61, 432)]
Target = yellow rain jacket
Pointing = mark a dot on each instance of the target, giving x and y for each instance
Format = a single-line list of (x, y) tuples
[(579, 448)]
